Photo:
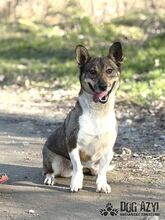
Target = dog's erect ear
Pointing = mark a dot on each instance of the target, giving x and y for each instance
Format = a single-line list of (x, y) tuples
[(115, 53), (82, 55)]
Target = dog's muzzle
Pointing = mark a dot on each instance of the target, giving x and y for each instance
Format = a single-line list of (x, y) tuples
[(102, 96)]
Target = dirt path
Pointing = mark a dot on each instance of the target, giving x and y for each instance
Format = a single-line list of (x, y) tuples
[(27, 117)]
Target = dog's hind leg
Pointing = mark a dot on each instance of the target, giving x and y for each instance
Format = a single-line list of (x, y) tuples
[(48, 172), (55, 165), (62, 166)]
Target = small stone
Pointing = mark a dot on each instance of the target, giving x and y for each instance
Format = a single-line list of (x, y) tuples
[(135, 155), (148, 157), (31, 211), (128, 121), (162, 158), (116, 155), (27, 159), (125, 158), (126, 151), (162, 137)]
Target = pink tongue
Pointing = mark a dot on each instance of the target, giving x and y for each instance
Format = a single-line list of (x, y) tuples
[(99, 95)]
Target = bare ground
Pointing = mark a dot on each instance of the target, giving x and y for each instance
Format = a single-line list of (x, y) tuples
[(28, 116)]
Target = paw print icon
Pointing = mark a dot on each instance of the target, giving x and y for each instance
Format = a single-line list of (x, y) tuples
[(109, 210), (103, 212), (109, 206), (114, 212)]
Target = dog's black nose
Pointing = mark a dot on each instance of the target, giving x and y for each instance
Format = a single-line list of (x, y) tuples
[(102, 85)]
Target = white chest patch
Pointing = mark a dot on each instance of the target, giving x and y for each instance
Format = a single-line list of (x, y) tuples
[(96, 124), (97, 133)]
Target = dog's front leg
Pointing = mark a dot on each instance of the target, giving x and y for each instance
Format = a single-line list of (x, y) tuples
[(101, 182), (77, 175)]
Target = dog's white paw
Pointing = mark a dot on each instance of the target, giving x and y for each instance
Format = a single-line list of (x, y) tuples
[(105, 188), (49, 179), (102, 185), (76, 182)]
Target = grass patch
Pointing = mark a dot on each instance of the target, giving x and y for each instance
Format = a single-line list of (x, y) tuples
[(44, 53)]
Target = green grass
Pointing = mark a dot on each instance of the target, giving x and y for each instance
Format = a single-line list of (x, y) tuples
[(43, 53)]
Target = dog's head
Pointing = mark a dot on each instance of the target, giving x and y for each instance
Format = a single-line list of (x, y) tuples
[(99, 76)]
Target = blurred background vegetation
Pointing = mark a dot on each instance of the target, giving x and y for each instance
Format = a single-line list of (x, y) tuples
[(38, 39)]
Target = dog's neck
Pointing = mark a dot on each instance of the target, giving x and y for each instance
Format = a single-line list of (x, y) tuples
[(86, 102)]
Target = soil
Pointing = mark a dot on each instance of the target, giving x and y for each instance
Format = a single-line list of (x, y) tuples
[(29, 115)]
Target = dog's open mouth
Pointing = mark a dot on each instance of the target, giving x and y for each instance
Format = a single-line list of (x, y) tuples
[(101, 97)]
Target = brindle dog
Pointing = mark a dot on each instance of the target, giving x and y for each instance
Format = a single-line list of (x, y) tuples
[(86, 137)]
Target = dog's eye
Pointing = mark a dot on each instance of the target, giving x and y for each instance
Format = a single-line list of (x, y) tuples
[(109, 70), (93, 72)]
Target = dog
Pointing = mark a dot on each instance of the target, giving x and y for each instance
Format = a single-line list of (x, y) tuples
[(85, 140)]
